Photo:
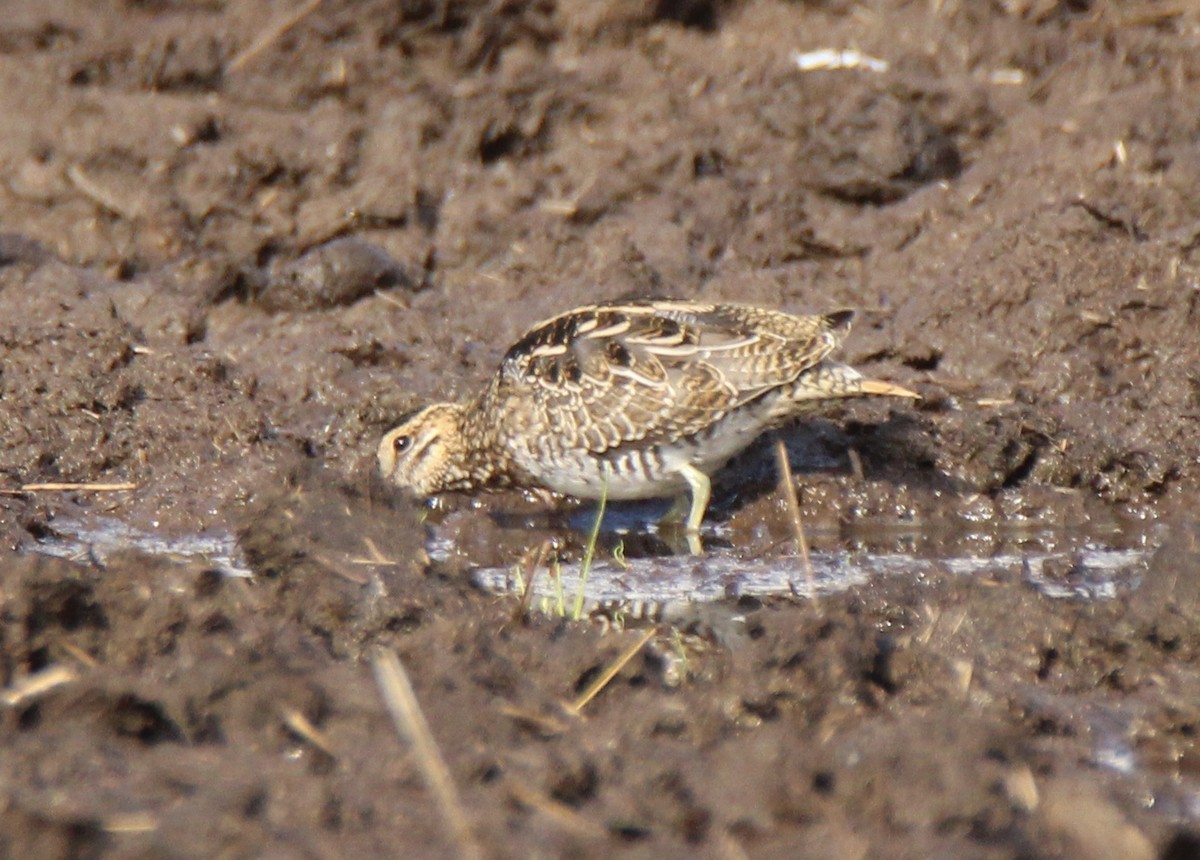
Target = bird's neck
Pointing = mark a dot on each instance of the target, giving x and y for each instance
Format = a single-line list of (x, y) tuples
[(483, 457)]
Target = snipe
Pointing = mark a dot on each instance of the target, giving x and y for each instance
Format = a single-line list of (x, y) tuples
[(636, 399)]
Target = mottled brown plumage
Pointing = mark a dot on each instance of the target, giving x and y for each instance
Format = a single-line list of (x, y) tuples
[(637, 399)]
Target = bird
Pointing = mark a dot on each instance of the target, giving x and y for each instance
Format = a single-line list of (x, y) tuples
[(629, 400)]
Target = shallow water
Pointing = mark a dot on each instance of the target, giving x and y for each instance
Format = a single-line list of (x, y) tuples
[(1093, 561), (1058, 565), (655, 587), (97, 538)]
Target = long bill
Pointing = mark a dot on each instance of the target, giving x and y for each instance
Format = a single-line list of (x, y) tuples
[(887, 389)]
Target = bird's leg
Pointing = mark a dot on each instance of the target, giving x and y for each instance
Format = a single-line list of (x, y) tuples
[(674, 518), (701, 490)]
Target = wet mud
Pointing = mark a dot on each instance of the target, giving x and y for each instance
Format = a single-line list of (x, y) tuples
[(238, 241)]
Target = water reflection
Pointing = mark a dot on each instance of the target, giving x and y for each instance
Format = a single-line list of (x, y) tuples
[(1093, 573)]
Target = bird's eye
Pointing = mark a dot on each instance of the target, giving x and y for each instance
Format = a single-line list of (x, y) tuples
[(401, 443)]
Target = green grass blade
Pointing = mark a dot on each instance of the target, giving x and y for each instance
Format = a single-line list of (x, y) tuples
[(589, 551)]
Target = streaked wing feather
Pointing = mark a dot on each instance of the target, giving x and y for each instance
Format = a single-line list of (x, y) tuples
[(648, 371)]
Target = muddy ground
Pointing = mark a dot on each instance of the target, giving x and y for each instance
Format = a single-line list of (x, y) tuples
[(241, 238)]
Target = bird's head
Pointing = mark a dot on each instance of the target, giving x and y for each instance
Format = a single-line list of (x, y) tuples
[(427, 453)]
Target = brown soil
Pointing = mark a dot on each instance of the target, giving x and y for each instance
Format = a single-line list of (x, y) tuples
[(226, 267)]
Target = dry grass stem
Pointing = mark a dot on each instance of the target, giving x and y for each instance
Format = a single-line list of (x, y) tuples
[(397, 692), (334, 566), (554, 811), (547, 725), (32, 686), (391, 300), (611, 672), (271, 34), (535, 562), (789, 492), (376, 556), (78, 653), (302, 726), (60, 487), (101, 196), (856, 466), (378, 559)]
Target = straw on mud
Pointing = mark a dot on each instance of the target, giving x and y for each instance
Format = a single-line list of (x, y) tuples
[(271, 34), (376, 556), (79, 654), (535, 563), (101, 196), (412, 727), (789, 493), (609, 673), (964, 672), (39, 682), (61, 487), (547, 725), (392, 300), (1021, 788), (302, 726), (560, 603), (334, 567), (554, 811), (856, 466)]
